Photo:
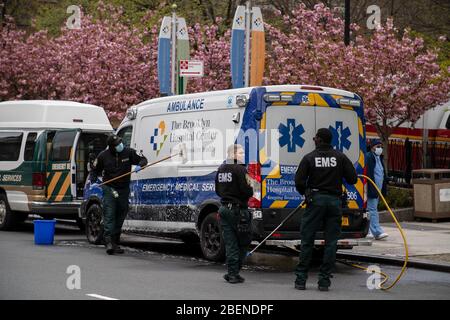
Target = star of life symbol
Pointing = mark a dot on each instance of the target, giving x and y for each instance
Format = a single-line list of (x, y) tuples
[(291, 135), (340, 136), (305, 99)]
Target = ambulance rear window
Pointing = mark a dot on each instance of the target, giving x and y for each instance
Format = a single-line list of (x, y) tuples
[(62, 145), (10, 143)]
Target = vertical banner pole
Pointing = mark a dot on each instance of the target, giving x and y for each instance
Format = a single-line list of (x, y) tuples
[(164, 57), (248, 22), (174, 46)]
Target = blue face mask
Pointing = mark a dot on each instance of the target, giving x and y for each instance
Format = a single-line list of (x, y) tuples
[(120, 147)]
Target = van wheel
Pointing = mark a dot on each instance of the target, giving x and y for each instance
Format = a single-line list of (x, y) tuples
[(211, 240), (7, 219), (94, 224)]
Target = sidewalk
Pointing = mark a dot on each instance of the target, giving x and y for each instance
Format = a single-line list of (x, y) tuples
[(427, 241)]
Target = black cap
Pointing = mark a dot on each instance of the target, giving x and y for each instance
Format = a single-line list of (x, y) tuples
[(325, 135), (375, 142), (113, 140)]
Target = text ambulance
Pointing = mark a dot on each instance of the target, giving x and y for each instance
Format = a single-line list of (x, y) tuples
[(276, 126)]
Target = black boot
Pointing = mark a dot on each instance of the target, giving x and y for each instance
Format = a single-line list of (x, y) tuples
[(109, 246), (233, 279), (117, 248)]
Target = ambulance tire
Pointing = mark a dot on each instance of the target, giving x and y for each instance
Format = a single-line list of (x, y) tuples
[(8, 220), (94, 224), (211, 240)]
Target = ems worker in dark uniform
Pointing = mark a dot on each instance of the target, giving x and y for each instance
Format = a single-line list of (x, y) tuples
[(233, 188), (113, 162), (319, 177)]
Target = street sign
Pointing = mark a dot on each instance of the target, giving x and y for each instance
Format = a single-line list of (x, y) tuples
[(191, 68)]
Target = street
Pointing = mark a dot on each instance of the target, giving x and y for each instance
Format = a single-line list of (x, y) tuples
[(160, 269)]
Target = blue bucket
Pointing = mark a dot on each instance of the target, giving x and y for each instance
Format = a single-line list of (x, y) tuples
[(44, 231)]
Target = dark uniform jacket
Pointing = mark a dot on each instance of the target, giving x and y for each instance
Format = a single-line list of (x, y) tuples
[(232, 185), (323, 170), (113, 164), (371, 163)]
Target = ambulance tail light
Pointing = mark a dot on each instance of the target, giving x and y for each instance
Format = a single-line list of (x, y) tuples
[(38, 180), (254, 179)]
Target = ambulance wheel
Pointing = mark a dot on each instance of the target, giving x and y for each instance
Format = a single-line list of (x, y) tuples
[(8, 220), (211, 240), (94, 224)]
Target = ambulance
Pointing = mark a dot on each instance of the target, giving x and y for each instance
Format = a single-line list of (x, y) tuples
[(275, 125), (432, 129), (436, 122), (45, 147)]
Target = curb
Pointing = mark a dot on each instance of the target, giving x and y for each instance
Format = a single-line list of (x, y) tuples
[(402, 215), (412, 263)]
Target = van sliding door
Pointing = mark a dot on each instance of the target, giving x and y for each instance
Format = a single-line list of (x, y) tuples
[(61, 166)]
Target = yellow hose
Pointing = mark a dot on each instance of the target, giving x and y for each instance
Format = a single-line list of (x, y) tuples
[(403, 236)]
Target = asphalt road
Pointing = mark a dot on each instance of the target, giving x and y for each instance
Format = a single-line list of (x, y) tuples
[(159, 269)]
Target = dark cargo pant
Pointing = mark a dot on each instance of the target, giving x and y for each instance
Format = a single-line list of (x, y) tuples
[(114, 212), (325, 209), (236, 225)]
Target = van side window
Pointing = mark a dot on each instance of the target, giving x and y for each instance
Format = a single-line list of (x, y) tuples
[(447, 125), (29, 146), (10, 143), (125, 134), (63, 146)]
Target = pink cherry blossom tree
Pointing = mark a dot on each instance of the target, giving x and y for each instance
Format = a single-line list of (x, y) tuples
[(397, 77), (214, 50), (105, 63)]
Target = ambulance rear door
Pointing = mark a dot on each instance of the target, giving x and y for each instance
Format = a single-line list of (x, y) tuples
[(294, 127), (348, 134), (61, 167)]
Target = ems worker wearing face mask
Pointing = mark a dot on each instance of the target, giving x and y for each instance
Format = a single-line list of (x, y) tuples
[(116, 160), (376, 172)]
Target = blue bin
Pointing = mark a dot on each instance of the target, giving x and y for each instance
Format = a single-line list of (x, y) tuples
[(44, 231)]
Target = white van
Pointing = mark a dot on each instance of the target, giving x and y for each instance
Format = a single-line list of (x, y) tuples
[(44, 151), (275, 124)]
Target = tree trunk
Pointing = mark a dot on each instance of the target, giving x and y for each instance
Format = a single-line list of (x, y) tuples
[(384, 133), (385, 141)]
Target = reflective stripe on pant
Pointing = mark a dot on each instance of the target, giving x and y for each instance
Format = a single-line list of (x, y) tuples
[(324, 210), (235, 246), (114, 212)]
